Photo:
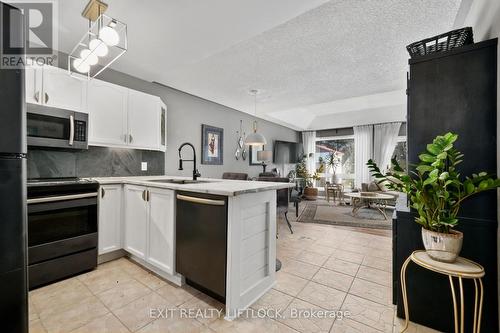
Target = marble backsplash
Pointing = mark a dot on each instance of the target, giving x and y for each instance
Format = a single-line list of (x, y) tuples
[(94, 162)]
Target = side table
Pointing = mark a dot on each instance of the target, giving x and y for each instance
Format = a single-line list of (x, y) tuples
[(461, 269)]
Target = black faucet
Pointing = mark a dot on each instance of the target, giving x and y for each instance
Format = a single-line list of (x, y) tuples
[(196, 173)]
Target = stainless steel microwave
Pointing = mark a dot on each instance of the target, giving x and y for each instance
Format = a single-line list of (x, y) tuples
[(56, 128)]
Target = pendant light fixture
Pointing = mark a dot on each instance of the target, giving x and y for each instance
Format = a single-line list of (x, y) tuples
[(255, 139), (103, 42)]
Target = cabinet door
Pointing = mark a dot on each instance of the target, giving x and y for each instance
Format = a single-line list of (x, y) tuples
[(61, 90), (107, 107), (33, 84), (161, 229), (143, 120), (136, 217), (110, 218)]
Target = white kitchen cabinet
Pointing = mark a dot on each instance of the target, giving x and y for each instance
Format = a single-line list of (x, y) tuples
[(107, 106), (136, 220), (110, 218), (161, 229), (63, 91), (54, 87), (143, 120), (163, 126)]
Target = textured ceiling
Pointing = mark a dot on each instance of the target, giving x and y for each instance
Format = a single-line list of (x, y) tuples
[(311, 59)]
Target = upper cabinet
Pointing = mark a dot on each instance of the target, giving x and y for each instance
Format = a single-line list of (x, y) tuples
[(107, 105), (143, 118), (53, 87), (118, 116)]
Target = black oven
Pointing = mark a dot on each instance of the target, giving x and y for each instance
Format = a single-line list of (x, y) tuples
[(56, 128), (62, 230)]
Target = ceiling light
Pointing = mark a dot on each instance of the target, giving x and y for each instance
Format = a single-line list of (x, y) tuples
[(103, 42), (109, 36), (98, 47), (89, 57), (255, 139)]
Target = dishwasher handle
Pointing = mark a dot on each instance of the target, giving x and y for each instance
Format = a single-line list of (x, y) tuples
[(201, 200)]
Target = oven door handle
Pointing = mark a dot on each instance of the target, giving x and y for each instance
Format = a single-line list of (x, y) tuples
[(71, 129), (62, 198)]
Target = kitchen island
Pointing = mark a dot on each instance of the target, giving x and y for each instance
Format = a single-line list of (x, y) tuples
[(137, 216)]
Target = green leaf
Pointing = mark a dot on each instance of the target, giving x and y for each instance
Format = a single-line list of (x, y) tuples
[(483, 185), (444, 176), (434, 173), (469, 187), (433, 149), (426, 158), (442, 156), (424, 168)]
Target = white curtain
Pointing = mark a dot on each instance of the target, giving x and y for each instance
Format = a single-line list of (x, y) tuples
[(309, 141), (363, 150), (384, 141)]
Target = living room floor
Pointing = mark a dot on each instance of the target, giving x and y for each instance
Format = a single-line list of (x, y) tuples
[(323, 267)]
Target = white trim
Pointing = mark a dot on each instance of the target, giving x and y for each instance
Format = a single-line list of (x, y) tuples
[(332, 138)]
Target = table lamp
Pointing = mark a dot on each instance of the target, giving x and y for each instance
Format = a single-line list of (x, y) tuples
[(264, 156)]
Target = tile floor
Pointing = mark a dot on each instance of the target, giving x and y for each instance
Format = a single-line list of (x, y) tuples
[(324, 268)]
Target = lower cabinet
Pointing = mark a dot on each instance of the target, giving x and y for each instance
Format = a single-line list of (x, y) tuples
[(149, 225), (110, 218)]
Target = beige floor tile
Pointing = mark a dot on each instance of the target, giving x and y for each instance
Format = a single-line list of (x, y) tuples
[(348, 256), (321, 249), (313, 257), (32, 312), (298, 316), (211, 308), (299, 268), (105, 324), (412, 327), (323, 296), (369, 313), (341, 266), (35, 326), (130, 267), (333, 242), (175, 325), (360, 249), (100, 280), (378, 263), (74, 316), (123, 294), (333, 279), (56, 299), (371, 291), (250, 325), (175, 295), (138, 313), (381, 253), (283, 252), (150, 280), (273, 300), (375, 275), (289, 284), (350, 326)]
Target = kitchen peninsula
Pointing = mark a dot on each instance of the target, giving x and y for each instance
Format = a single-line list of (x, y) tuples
[(217, 235)]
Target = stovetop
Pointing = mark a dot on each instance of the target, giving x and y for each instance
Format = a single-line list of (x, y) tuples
[(58, 181)]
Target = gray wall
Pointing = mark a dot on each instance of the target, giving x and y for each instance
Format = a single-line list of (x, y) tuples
[(186, 113)]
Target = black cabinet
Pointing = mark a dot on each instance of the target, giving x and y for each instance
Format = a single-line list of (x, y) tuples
[(454, 91)]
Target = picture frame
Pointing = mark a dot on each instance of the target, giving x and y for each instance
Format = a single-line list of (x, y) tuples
[(252, 153), (212, 145)]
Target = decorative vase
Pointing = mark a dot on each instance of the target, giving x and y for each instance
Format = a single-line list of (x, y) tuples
[(442, 247), (310, 193)]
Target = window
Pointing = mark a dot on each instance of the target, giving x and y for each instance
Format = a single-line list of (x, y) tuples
[(400, 152), (343, 148)]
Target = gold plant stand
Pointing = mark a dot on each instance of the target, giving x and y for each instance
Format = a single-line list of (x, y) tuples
[(461, 269)]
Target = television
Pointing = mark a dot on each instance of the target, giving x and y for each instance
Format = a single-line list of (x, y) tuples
[(286, 152)]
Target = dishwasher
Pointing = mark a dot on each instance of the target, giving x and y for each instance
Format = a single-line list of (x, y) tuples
[(201, 241)]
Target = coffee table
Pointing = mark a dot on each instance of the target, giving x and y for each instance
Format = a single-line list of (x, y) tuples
[(373, 200)]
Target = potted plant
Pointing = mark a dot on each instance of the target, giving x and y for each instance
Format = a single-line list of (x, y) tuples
[(333, 161), (310, 192), (436, 190)]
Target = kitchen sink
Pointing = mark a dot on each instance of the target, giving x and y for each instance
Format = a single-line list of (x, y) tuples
[(180, 181)]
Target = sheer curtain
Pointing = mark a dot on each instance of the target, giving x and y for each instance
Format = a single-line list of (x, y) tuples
[(309, 141), (384, 141), (363, 149)]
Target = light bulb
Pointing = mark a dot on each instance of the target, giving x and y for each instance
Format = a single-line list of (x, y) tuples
[(89, 57), (99, 48), (80, 65), (109, 36)]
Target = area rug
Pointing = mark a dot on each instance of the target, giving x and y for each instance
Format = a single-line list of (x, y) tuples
[(328, 213)]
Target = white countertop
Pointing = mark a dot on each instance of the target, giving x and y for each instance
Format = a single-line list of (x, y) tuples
[(212, 186)]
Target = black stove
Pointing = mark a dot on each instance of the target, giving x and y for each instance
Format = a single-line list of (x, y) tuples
[(62, 228)]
